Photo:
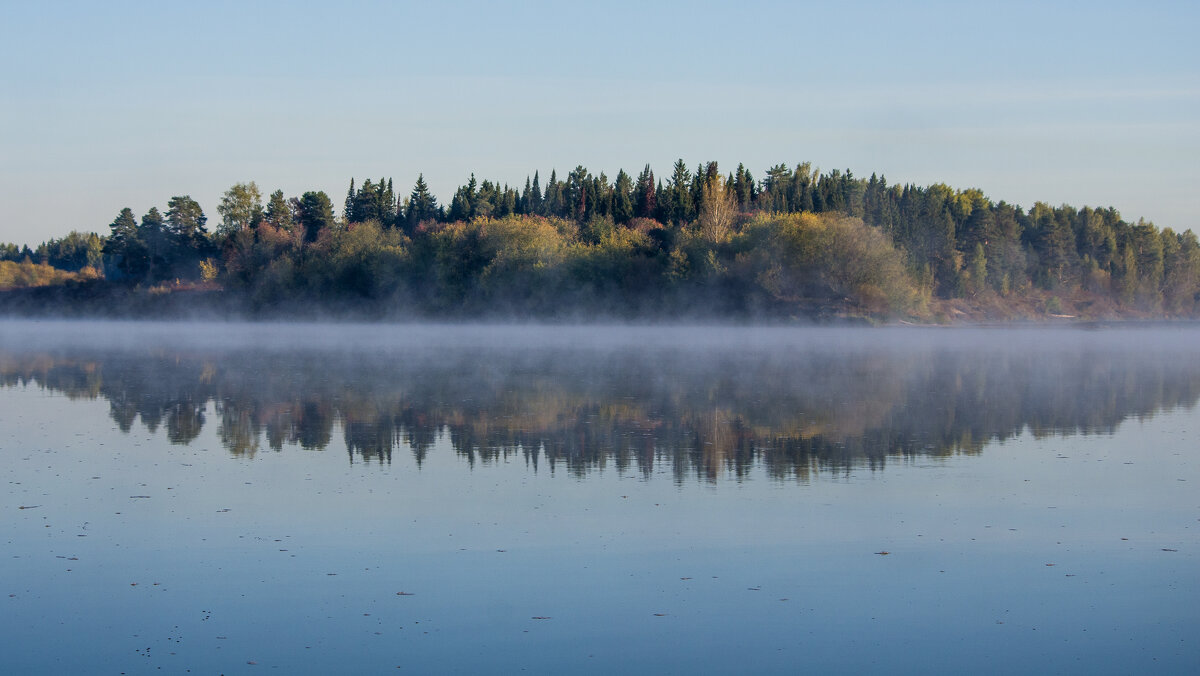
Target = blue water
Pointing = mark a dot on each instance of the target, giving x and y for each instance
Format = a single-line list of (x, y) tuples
[(1068, 546)]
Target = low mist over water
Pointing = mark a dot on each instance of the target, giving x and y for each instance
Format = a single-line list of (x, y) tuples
[(708, 399), (463, 498)]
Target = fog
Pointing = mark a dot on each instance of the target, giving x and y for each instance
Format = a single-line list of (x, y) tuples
[(720, 337), (705, 398)]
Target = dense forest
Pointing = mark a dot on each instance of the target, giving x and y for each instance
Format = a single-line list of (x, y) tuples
[(796, 242)]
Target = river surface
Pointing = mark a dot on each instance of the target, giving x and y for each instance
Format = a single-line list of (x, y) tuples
[(234, 498)]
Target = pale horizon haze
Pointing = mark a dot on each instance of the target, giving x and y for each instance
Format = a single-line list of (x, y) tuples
[(126, 104)]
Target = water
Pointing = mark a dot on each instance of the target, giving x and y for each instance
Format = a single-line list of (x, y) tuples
[(233, 498)]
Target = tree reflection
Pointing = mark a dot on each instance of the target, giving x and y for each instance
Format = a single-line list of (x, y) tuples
[(702, 414)]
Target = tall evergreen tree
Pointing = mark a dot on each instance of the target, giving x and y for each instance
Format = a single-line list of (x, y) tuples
[(125, 246), (185, 224), (422, 205), (743, 187), (279, 212), (185, 219), (315, 213), (681, 205), (536, 207), (622, 198), (153, 234), (389, 206), (554, 203), (645, 195)]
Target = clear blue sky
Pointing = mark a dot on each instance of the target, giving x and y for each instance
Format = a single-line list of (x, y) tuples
[(107, 105)]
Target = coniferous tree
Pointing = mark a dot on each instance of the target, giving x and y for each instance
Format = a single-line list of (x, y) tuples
[(622, 198), (662, 212), (460, 207), (525, 197), (279, 212), (185, 219), (508, 203), (645, 195), (576, 194), (389, 206), (681, 205), (743, 187), (775, 186), (422, 205), (536, 207), (315, 213), (1054, 244), (153, 234), (185, 225), (554, 203), (126, 247), (696, 191)]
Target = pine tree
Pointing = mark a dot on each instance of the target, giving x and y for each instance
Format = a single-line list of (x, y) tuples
[(126, 247), (153, 234), (279, 212), (315, 213), (185, 218), (189, 240)]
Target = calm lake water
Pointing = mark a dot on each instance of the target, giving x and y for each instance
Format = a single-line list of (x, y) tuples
[(235, 498)]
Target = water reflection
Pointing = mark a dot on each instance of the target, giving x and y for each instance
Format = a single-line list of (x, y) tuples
[(702, 410)]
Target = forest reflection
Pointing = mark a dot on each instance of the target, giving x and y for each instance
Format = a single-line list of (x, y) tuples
[(702, 413)]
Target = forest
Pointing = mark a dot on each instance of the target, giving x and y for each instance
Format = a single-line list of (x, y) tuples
[(795, 243)]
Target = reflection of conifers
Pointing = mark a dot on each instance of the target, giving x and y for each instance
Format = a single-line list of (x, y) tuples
[(701, 415)]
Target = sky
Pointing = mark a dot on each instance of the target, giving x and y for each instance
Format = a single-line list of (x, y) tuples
[(126, 104)]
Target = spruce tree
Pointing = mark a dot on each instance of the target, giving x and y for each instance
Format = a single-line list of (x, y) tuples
[(682, 206), (645, 196), (422, 205), (622, 198), (536, 207)]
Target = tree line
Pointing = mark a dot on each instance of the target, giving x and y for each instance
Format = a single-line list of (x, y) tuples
[(795, 241)]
